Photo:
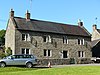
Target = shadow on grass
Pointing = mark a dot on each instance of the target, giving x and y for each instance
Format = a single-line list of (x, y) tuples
[(34, 67), (23, 66), (19, 68)]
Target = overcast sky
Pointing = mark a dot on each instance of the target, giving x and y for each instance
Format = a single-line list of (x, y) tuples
[(62, 11)]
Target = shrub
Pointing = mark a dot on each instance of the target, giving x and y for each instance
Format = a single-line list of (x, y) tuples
[(2, 54), (8, 51)]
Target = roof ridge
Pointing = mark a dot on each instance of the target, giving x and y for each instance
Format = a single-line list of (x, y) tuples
[(48, 21)]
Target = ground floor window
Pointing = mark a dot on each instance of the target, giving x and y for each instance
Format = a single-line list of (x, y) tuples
[(65, 54), (47, 52), (81, 54), (25, 51)]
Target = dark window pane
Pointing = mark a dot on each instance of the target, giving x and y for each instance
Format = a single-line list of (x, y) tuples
[(23, 51), (45, 52), (79, 53), (48, 52), (66, 40), (44, 38), (82, 54), (64, 54), (63, 39), (78, 41), (82, 42), (27, 51), (23, 36)]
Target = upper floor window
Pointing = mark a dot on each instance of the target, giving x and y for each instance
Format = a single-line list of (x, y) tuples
[(80, 41), (81, 54), (65, 40), (47, 38), (44, 38), (25, 37)]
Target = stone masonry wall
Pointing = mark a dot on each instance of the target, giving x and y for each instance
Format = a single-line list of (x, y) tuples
[(95, 35), (37, 46), (10, 36)]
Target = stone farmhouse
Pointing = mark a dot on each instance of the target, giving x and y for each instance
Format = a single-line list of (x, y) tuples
[(95, 33), (95, 42), (53, 42)]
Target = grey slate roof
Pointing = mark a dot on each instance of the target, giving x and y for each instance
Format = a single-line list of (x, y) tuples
[(46, 26), (94, 42)]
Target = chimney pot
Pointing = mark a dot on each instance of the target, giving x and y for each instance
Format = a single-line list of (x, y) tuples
[(11, 13), (80, 23), (94, 27)]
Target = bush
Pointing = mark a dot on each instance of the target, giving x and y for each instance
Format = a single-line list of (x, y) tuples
[(5, 52), (2, 54), (8, 51)]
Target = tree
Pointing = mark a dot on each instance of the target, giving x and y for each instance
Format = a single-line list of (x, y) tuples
[(8, 51), (2, 36), (2, 54), (5, 52)]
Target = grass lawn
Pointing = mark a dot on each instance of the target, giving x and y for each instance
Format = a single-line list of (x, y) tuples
[(69, 70)]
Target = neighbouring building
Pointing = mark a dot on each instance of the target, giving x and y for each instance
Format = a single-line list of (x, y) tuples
[(95, 42), (95, 33), (53, 42)]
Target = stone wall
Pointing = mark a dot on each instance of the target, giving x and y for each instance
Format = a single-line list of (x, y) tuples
[(37, 46), (10, 36), (53, 61), (95, 35), (64, 61)]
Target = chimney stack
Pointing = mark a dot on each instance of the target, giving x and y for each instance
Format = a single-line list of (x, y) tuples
[(94, 27), (11, 14), (27, 15), (80, 23)]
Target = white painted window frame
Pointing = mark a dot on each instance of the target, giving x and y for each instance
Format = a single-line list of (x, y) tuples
[(27, 37), (48, 38), (82, 54), (65, 40), (25, 50), (47, 53), (67, 54), (81, 41)]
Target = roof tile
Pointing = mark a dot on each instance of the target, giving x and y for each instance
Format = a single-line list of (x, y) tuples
[(46, 26)]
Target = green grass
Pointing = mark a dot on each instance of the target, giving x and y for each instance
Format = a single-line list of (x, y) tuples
[(69, 70)]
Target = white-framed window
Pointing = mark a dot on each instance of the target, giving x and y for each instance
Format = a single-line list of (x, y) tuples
[(65, 40), (80, 41), (47, 38), (25, 51), (47, 52), (26, 37), (81, 54), (64, 54)]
